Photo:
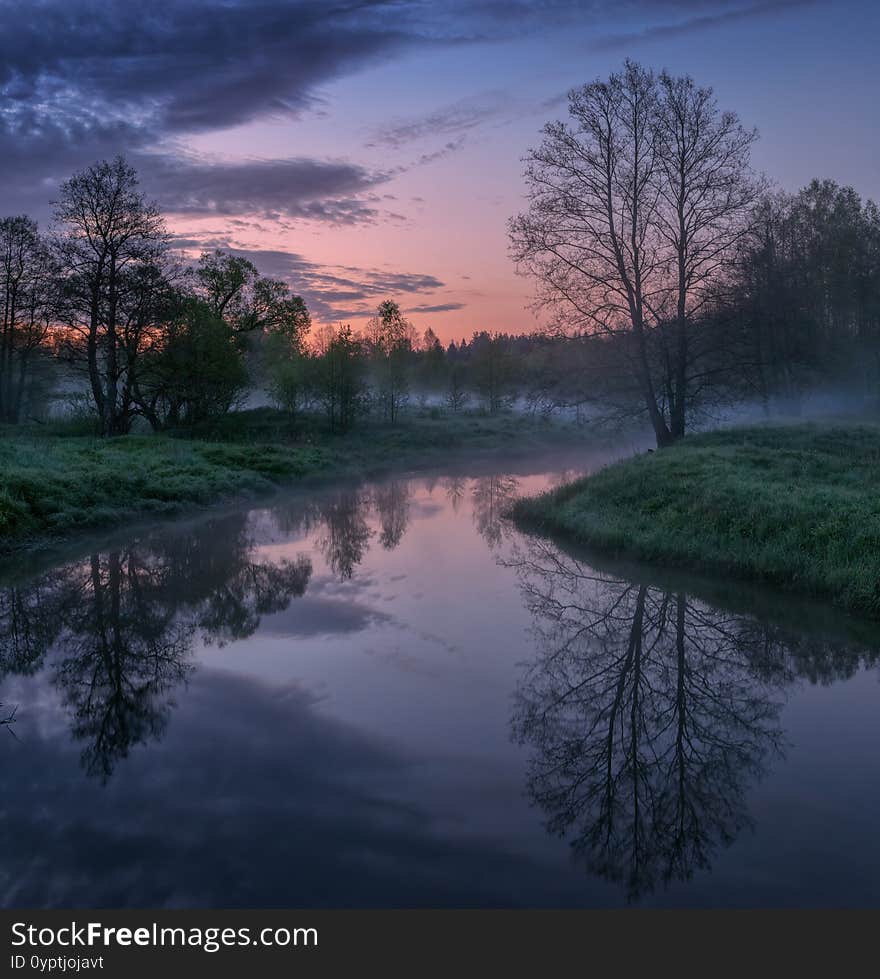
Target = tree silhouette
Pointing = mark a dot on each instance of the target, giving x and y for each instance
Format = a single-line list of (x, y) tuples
[(650, 715), (233, 610), (122, 655), (117, 629), (28, 305), (26, 631), (635, 208), (109, 235)]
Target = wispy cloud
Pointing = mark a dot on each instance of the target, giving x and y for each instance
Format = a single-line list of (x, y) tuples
[(453, 146), (454, 119), (701, 22), (438, 308)]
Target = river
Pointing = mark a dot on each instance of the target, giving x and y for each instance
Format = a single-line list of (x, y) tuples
[(385, 695)]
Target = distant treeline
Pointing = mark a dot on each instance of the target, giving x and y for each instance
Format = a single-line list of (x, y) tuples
[(105, 309)]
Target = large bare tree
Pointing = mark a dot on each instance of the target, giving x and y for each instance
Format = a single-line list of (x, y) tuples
[(633, 207)]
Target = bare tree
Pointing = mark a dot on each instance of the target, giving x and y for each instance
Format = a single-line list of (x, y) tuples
[(589, 235), (109, 234), (633, 206)]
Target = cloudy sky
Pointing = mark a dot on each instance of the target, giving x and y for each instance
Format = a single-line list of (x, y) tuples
[(365, 149)]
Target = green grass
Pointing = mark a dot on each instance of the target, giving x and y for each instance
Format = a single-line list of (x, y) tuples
[(51, 486), (797, 507), (55, 481)]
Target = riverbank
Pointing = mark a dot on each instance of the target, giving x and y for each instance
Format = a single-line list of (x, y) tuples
[(797, 507), (53, 485)]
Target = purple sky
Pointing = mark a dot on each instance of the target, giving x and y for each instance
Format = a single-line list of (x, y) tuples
[(372, 150)]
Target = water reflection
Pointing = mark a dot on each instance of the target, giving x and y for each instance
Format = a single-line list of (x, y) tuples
[(121, 627), (455, 487), (7, 719), (650, 716), (392, 503), (121, 624), (492, 495), (346, 533), (345, 738), (122, 653)]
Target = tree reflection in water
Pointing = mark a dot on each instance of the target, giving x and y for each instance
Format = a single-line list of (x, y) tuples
[(650, 714), (491, 497), (455, 487), (120, 626), (121, 655), (341, 520), (391, 500), (347, 534)]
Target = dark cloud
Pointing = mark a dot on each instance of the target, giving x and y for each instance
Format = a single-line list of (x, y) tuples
[(182, 66), (189, 65), (315, 189), (36, 154), (82, 80), (334, 192)]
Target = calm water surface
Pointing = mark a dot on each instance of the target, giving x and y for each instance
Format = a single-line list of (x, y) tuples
[(385, 695)]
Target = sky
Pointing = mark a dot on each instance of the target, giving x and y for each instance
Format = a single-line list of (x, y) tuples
[(371, 149)]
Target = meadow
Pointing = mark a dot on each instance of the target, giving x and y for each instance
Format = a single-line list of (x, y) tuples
[(797, 507)]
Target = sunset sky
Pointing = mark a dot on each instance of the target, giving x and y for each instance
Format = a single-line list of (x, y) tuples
[(366, 150)]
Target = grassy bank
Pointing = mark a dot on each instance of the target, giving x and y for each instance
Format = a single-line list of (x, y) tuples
[(797, 507), (53, 483)]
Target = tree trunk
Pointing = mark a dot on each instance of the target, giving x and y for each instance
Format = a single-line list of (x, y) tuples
[(643, 370), (679, 391), (92, 355), (111, 419)]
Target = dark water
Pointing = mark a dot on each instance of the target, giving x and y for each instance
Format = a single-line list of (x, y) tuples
[(385, 695)]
